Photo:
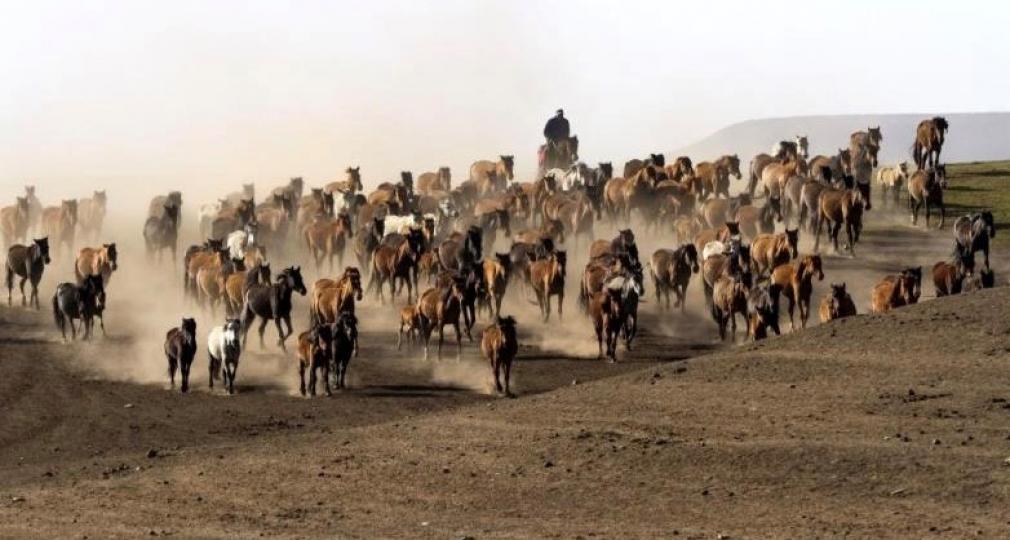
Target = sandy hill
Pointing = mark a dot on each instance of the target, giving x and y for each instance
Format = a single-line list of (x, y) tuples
[(972, 136)]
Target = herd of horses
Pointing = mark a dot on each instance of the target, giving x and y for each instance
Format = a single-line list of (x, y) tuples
[(430, 245)]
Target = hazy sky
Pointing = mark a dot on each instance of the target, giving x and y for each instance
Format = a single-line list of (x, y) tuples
[(208, 93)]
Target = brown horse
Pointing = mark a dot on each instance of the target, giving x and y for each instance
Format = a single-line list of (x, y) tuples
[(729, 298), (496, 278), (503, 169), (434, 181), (929, 137), (896, 290), (553, 229), (680, 168), (757, 167), (28, 263), (351, 184), (762, 312), (499, 346), (99, 261), (925, 187), (715, 175), (671, 270), (332, 298), (547, 277), (313, 354), (438, 307), (410, 326), (948, 277), (607, 326), (14, 221), (755, 220), (839, 207), (91, 215), (837, 166), (633, 166), (392, 264), (837, 304), (212, 280), (770, 250), (238, 283), (59, 224), (328, 237), (795, 282)]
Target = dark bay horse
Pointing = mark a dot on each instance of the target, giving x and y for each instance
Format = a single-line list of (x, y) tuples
[(84, 302), (28, 263), (272, 302)]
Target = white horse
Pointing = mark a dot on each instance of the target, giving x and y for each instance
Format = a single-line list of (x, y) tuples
[(225, 347), (208, 212), (577, 176), (238, 241), (401, 224), (892, 178), (799, 142)]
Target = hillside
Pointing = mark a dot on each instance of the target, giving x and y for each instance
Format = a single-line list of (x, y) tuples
[(972, 136)]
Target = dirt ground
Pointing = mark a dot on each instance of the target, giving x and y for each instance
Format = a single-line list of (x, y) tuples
[(895, 425)]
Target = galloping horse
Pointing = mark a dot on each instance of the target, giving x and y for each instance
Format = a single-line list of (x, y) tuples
[(929, 137)]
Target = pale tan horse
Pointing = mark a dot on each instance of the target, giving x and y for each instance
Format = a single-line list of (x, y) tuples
[(59, 224), (503, 168), (775, 175), (97, 261), (14, 221), (351, 184), (430, 182), (91, 215)]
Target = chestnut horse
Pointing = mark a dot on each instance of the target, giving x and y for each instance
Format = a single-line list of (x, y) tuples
[(929, 137), (795, 282), (837, 304), (499, 345), (896, 290)]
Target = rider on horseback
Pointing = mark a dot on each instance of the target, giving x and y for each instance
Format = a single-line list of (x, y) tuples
[(557, 128), (561, 148)]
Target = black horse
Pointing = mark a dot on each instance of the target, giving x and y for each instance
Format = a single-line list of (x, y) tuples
[(28, 263), (162, 232), (272, 302), (85, 302), (344, 334)]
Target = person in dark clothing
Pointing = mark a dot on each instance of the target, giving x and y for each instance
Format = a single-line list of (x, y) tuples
[(557, 128)]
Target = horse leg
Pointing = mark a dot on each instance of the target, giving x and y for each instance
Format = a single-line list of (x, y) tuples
[(312, 379), (547, 304), (21, 286), (599, 336), (561, 302), (35, 293), (326, 379), (279, 323), (508, 376), (262, 330), (459, 342), (301, 378), (792, 306), (441, 339), (171, 370), (804, 311), (836, 228)]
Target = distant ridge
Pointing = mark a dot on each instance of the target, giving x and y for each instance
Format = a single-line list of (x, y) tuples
[(972, 136)]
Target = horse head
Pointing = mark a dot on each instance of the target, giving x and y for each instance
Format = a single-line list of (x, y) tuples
[(509, 164), (111, 254), (42, 248)]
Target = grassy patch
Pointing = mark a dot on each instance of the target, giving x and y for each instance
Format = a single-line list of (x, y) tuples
[(980, 186)]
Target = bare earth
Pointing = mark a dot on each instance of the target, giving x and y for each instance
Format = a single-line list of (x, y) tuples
[(893, 426)]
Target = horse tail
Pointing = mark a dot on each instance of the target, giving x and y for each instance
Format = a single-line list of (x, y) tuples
[(57, 314)]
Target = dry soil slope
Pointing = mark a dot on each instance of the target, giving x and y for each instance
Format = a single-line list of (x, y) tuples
[(881, 425)]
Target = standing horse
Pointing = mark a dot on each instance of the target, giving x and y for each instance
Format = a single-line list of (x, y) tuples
[(499, 346), (100, 261), (671, 269), (84, 302), (162, 232), (929, 136), (272, 302), (180, 349), (28, 263), (926, 188), (434, 181), (91, 215), (974, 231)]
